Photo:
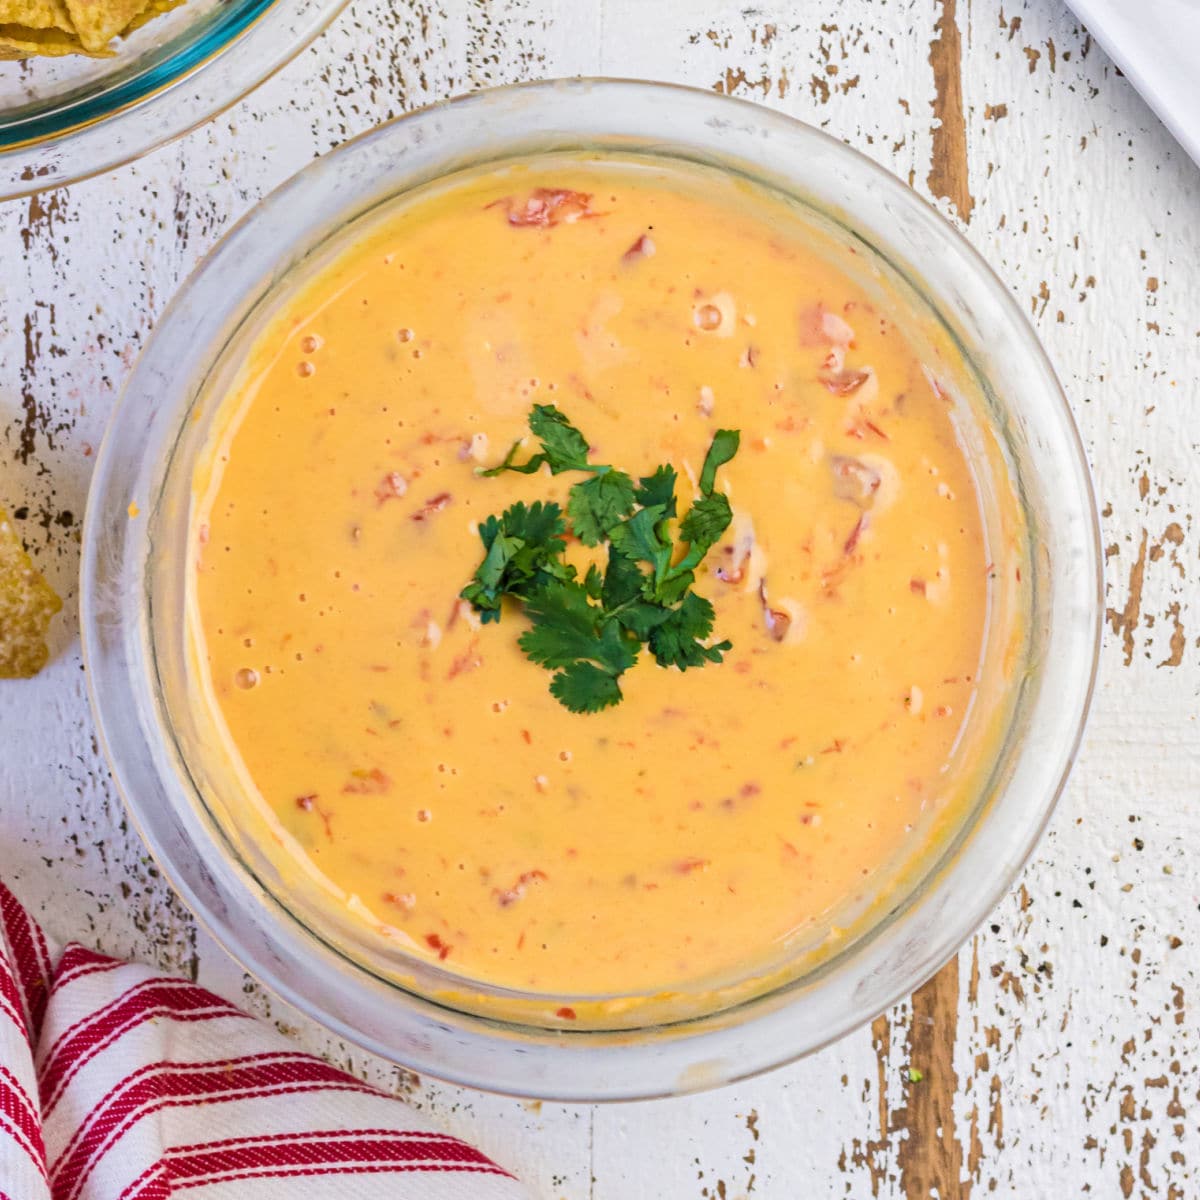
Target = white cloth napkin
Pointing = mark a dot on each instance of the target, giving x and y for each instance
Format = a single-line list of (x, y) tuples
[(117, 1084), (1156, 44)]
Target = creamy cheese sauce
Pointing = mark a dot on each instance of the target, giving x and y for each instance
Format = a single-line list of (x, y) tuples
[(417, 758)]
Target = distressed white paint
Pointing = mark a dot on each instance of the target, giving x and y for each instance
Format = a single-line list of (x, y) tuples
[(1081, 199)]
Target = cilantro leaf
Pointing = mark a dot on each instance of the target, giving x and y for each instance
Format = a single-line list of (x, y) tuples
[(540, 524), (598, 503), (639, 538), (705, 521), (594, 582), (722, 448), (641, 618), (523, 553), (508, 464), (563, 446), (585, 688), (570, 635), (674, 584), (589, 632), (677, 641), (658, 490), (623, 580), (567, 626)]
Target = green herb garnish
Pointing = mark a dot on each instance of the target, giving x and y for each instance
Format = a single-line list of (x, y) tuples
[(590, 631)]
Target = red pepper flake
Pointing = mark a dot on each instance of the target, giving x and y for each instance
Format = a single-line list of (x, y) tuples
[(431, 506), (778, 622), (852, 541), (939, 391), (527, 736), (844, 383), (434, 942), (546, 207), (917, 587), (309, 804), (566, 1012), (391, 487), (860, 428), (733, 570), (750, 789), (790, 851), (643, 248), (506, 897), (685, 866), (468, 660), (835, 747), (368, 783), (405, 901)]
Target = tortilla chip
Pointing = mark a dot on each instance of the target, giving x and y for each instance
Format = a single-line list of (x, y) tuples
[(156, 8), (99, 21), (36, 14), (19, 41), (27, 602)]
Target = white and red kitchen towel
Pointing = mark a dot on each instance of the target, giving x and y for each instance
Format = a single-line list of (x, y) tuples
[(117, 1084)]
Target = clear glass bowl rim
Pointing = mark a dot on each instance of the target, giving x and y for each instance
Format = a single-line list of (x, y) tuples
[(926, 929), (202, 78)]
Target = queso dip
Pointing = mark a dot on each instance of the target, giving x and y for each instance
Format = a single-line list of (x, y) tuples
[(416, 760)]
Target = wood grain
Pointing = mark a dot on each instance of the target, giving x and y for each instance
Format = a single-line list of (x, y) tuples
[(948, 172)]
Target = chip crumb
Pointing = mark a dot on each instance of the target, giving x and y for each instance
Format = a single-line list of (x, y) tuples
[(27, 602)]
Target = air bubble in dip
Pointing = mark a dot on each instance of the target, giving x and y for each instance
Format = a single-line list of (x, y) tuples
[(405, 335), (305, 369), (708, 317), (310, 343), (246, 678)]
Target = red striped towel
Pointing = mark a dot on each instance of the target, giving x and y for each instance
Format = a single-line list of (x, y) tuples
[(118, 1084)]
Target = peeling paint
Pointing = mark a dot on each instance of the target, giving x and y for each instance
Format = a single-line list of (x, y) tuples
[(948, 176)]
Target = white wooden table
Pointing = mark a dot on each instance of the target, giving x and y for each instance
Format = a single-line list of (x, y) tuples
[(1061, 1051)]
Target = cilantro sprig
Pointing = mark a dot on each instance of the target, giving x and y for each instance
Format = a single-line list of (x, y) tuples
[(590, 631)]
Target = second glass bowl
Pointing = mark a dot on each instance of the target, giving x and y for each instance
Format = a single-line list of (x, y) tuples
[(63, 119)]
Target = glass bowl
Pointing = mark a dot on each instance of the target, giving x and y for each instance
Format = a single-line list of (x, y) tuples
[(133, 595), (63, 119)]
